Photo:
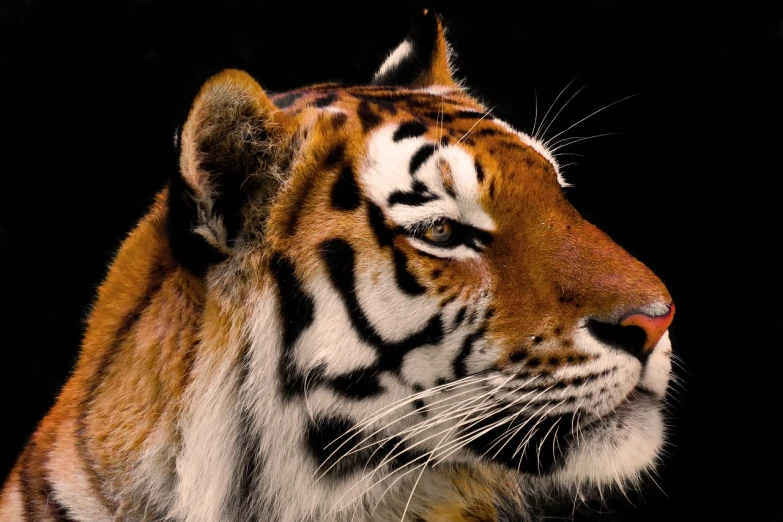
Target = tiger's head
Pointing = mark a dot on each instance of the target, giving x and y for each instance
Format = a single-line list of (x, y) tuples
[(415, 288)]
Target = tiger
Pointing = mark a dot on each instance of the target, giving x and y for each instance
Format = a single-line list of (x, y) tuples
[(355, 302)]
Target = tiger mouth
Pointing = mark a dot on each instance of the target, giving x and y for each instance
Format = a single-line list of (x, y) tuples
[(637, 398)]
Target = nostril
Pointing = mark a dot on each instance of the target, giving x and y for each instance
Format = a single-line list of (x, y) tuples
[(631, 339), (637, 333)]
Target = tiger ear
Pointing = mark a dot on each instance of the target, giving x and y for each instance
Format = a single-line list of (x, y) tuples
[(422, 59), (230, 149)]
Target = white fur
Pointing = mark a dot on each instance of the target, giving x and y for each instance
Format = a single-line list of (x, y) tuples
[(608, 454), (385, 170), (655, 377), (12, 507), (393, 314), (331, 340), (397, 56), (71, 481), (437, 90), (536, 145), (210, 427)]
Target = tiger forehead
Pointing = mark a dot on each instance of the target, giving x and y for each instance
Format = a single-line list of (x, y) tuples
[(446, 115), (449, 109)]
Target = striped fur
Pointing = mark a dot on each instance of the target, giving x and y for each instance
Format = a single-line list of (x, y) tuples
[(287, 336)]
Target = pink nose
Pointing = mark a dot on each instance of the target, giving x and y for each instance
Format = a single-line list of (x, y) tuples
[(654, 326)]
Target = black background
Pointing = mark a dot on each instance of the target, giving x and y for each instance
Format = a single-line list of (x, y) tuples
[(91, 95)]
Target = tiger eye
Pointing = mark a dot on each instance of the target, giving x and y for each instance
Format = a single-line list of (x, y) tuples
[(440, 232)]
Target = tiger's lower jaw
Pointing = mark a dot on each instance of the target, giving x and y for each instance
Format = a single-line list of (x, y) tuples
[(616, 450), (569, 452)]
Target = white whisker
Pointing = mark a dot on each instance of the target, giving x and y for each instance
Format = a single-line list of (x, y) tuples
[(565, 142), (543, 120), (535, 116), (543, 133), (589, 116), (474, 125)]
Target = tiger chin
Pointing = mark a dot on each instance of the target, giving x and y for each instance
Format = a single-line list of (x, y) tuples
[(355, 303)]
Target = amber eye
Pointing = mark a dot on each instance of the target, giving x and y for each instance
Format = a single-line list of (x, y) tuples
[(439, 233)]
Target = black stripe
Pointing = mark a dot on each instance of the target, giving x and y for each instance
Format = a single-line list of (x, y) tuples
[(440, 116), (325, 101), (245, 501), (334, 157), (386, 103), (406, 455), (36, 490), (296, 312), (459, 365), (367, 116), (409, 129), (561, 385), (383, 234), (418, 404), (358, 384), (422, 155), (448, 300), (412, 199), (285, 100), (486, 131), (467, 113), (419, 187), (460, 316), (345, 192), (479, 172), (551, 434), (324, 430), (338, 120), (405, 280), (325, 434), (341, 262)]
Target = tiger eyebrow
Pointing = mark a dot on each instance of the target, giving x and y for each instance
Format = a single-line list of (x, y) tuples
[(398, 197), (419, 195)]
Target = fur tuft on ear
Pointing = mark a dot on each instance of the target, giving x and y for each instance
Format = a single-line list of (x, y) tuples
[(422, 59), (231, 150)]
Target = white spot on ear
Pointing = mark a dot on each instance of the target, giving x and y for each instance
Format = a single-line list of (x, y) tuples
[(395, 58)]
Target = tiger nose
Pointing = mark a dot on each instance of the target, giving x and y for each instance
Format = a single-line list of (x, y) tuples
[(636, 333)]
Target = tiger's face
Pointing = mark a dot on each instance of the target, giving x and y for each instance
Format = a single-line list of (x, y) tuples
[(444, 253), (437, 298)]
